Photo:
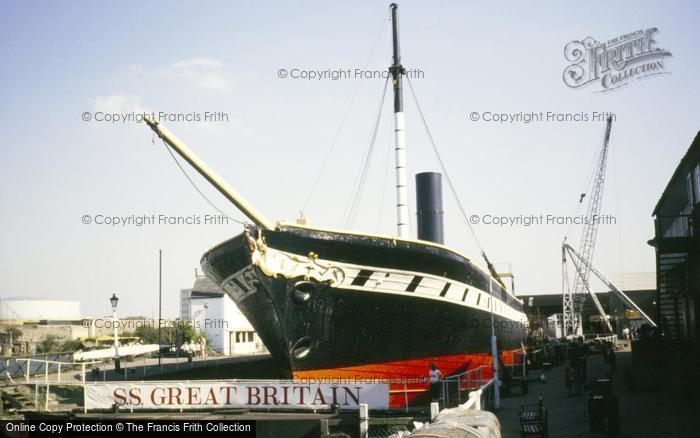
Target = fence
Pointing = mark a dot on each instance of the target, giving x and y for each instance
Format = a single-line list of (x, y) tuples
[(58, 366), (606, 338), (470, 380), (18, 367)]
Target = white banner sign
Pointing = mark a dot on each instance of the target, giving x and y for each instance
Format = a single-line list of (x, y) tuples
[(227, 394)]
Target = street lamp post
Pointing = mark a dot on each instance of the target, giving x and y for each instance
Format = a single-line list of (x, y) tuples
[(114, 301)]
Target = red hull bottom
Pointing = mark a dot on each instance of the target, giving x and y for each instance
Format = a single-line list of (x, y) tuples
[(408, 378)]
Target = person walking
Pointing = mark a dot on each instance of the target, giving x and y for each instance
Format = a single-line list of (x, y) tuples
[(575, 363), (609, 358), (583, 359), (568, 380)]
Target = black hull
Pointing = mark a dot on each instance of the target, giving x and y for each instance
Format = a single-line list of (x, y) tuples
[(309, 324)]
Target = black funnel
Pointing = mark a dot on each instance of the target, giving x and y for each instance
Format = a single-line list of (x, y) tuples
[(429, 207)]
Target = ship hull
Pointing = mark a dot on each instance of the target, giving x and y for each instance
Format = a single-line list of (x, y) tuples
[(342, 306)]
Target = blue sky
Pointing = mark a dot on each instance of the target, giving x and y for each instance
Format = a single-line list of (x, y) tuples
[(63, 59)]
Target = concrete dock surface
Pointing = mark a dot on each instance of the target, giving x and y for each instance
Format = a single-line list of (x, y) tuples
[(641, 414)]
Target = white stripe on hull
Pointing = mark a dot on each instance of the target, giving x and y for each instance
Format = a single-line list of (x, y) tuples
[(273, 262), (396, 282)]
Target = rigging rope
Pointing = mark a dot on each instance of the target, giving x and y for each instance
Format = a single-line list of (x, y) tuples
[(360, 184), (386, 177), (342, 123), (453, 190), (197, 188)]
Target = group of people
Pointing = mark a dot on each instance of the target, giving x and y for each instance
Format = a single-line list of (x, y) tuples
[(576, 373), (641, 333)]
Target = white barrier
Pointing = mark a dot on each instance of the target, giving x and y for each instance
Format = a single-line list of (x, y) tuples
[(108, 353)]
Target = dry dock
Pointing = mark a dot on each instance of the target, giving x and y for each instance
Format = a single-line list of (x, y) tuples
[(641, 413)]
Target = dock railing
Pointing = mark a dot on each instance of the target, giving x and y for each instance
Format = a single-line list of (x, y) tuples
[(456, 385), (49, 367), (480, 398), (16, 367), (607, 338)]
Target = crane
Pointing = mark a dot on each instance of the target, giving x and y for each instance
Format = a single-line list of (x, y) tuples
[(580, 263), (573, 298)]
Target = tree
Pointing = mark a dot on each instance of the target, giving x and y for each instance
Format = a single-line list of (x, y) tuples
[(47, 344), (71, 346), (187, 332), (16, 333), (148, 334)]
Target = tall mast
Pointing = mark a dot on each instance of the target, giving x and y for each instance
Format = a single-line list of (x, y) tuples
[(397, 72)]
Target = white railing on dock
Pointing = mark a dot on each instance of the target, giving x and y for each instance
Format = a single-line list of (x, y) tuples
[(57, 365), (467, 381), (608, 338), (599, 337), (479, 399), (470, 380)]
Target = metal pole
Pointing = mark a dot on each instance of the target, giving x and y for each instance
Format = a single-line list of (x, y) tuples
[(445, 391), (117, 364), (405, 395), (434, 410), (494, 352), (397, 70), (459, 390), (29, 364), (208, 173), (160, 306), (364, 420)]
